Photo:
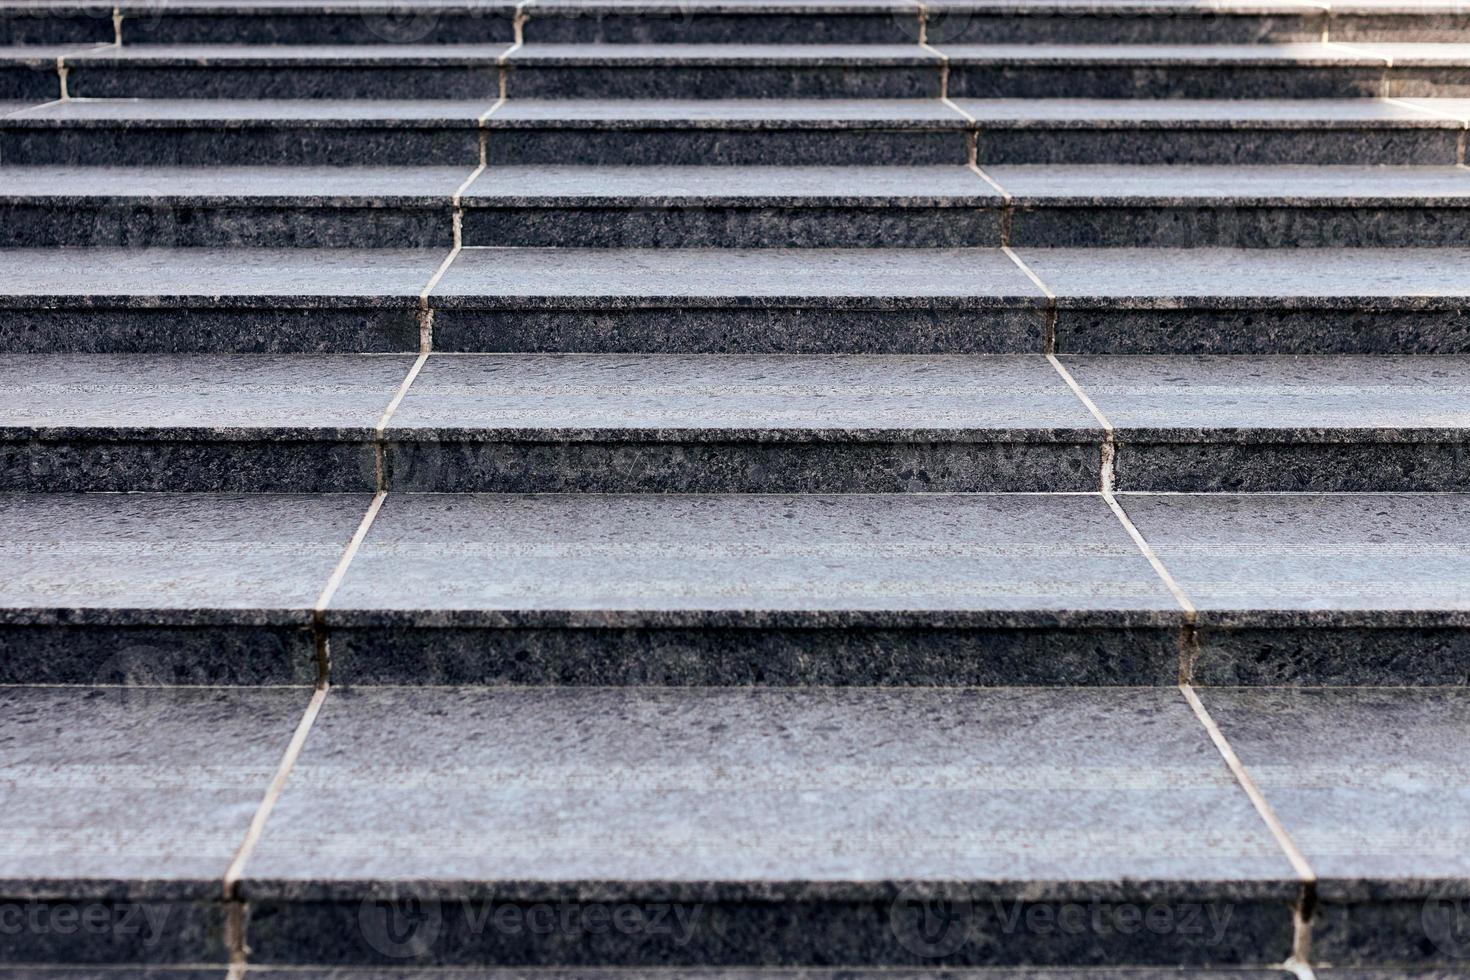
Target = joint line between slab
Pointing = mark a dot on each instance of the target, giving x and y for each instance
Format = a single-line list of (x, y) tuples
[(1299, 863), (340, 571), (262, 815), (502, 68)]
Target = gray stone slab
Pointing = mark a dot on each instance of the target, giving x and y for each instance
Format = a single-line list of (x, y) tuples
[(277, 206), (149, 113), (848, 277), (1374, 788), (1319, 589), (1269, 278), (362, 186), (1456, 109), (754, 54), (739, 423), (729, 186), (785, 827), (161, 587), (193, 422), (123, 809), (196, 277), (212, 396), (732, 589), (226, 55), (1257, 301), (1180, 113), (1292, 54), (1284, 423), (785, 973), (1342, 185), (732, 396), (766, 113), (737, 207), (736, 301), (162, 972)]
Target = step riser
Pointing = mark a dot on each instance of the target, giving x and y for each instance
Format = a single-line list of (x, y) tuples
[(1190, 82), (791, 330), (91, 79), (96, 463), (145, 226), (158, 651), (683, 26), (203, 146), (99, 464), (378, 330), (714, 227)]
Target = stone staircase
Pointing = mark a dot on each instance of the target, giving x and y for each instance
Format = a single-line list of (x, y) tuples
[(734, 489)]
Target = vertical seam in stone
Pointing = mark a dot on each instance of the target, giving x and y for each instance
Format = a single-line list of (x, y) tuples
[(380, 446), (1007, 206), (1385, 86), (1464, 122), (117, 24), (334, 581), (61, 72), (1302, 914), (518, 27), (943, 58), (1049, 326), (235, 914)]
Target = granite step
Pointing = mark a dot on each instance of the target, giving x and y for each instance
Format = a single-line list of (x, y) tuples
[(298, 207), (529, 423), (734, 132), (928, 589), (720, 21), (767, 301), (792, 827), (1022, 205), (1298, 70)]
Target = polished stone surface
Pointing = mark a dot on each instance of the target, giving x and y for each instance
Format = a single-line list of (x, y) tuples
[(170, 558), (737, 423), (730, 396), (137, 395), (1343, 185), (1344, 277), (1284, 423), (403, 185), (597, 796), (848, 277), (667, 559), (1374, 788), (218, 277), (131, 803), (953, 186), (1319, 589)]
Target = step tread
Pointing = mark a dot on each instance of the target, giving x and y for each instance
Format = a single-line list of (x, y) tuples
[(1244, 398), (408, 184), (1162, 278), (915, 184), (278, 397), (1405, 276), (1303, 559), (262, 277), (134, 559), (1342, 184), (817, 792), (152, 789)]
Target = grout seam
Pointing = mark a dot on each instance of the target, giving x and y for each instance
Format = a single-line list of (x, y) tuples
[(1049, 325), (502, 68), (334, 581), (236, 914), (1300, 960), (380, 442), (117, 25)]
